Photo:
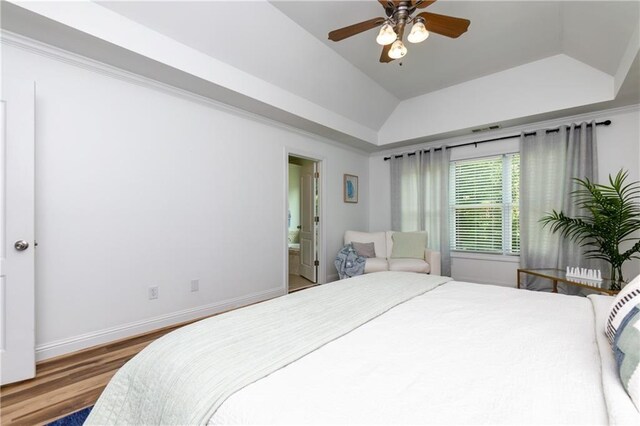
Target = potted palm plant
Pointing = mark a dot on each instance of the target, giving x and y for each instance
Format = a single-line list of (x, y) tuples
[(610, 217)]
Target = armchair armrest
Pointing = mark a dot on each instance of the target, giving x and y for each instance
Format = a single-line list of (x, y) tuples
[(433, 259)]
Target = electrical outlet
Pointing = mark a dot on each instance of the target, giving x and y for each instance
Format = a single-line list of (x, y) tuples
[(195, 285), (153, 292)]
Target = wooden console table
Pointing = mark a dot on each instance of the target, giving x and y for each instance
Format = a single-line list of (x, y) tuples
[(558, 275)]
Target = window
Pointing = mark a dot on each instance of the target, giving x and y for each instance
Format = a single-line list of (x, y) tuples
[(484, 202)]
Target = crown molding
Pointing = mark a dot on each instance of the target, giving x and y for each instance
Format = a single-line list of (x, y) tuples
[(52, 52), (529, 127), (79, 61)]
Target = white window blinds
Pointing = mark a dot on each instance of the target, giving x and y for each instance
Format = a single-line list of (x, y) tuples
[(484, 204)]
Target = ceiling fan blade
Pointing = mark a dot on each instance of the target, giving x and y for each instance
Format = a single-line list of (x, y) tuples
[(384, 57), (445, 25), (351, 30), (422, 4)]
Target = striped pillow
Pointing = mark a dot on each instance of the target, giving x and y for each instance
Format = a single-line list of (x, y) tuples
[(625, 301), (626, 348)]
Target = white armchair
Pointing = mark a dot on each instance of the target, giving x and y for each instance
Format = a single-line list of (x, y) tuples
[(383, 246)]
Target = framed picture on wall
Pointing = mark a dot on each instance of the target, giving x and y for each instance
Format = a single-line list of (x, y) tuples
[(350, 188)]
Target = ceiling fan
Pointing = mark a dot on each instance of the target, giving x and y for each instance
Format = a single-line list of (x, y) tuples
[(399, 15)]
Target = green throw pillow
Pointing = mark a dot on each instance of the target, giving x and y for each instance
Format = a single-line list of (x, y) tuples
[(409, 245)]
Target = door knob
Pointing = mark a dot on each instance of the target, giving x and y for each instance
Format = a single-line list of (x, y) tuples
[(21, 245)]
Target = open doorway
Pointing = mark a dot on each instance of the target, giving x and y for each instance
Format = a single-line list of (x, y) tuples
[(303, 217)]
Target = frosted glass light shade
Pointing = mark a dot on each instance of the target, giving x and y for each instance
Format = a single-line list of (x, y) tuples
[(398, 50), (418, 33), (386, 35)]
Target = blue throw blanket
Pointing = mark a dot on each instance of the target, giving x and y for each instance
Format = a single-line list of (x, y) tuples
[(349, 263)]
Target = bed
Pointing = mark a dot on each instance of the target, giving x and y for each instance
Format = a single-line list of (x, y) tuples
[(390, 347)]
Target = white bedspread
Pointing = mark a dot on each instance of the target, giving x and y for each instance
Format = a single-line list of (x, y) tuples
[(183, 377), (460, 354)]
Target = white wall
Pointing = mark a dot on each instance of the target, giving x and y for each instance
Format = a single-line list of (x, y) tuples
[(550, 84), (112, 38), (618, 147), (139, 186)]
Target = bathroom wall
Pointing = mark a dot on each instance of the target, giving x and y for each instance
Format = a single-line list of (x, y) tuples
[(294, 196)]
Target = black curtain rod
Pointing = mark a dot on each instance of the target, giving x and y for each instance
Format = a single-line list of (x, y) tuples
[(602, 123)]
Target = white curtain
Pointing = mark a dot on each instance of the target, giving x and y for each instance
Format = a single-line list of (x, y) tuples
[(548, 164), (420, 198)]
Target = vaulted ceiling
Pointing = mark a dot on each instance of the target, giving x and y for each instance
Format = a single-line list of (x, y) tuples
[(518, 61), (502, 35)]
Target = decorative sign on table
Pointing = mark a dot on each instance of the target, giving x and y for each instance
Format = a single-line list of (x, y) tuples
[(585, 276)]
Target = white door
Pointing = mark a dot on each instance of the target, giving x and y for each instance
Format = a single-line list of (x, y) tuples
[(308, 224), (17, 319)]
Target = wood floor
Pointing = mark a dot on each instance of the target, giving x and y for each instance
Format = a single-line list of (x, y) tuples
[(69, 383), (66, 384), (296, 282)]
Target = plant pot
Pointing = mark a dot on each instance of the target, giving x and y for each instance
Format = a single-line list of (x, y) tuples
[(617, 280)]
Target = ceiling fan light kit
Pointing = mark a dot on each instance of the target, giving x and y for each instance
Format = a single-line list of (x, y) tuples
[(386, 35), (398, 50), (399, 15), (418, 32)]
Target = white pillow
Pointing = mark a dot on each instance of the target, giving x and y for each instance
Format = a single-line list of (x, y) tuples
[(625, 301)]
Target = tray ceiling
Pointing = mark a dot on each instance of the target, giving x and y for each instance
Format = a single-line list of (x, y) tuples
[(502, 35)]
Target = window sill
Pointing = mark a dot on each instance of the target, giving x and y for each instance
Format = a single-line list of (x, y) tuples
[(485, 256)]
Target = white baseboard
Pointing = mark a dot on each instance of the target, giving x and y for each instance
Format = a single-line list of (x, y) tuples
[(332, 278), (83, 341)]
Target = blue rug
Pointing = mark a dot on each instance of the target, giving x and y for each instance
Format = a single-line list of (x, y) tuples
[(73, 419)]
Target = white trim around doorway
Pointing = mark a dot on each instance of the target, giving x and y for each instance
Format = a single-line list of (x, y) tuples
[(322, 251)]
